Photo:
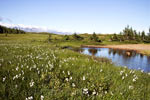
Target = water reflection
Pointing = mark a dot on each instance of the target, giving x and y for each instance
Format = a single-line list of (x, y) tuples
[(92, 51), (131, 59), (126, 54), (141, 55)]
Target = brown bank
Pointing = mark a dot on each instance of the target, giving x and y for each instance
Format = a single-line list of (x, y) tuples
[(140, 48)]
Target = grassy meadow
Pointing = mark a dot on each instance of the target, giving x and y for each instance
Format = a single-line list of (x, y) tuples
[(33, 68)]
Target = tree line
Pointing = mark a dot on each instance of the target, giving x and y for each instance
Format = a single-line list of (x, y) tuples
[(129, 34), (77, 37), (5, 30)]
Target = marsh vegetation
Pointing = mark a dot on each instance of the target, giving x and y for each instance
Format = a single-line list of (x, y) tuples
[(33, 68)]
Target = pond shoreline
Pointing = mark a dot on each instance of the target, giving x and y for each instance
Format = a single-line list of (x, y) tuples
[(128, 58), (139, 48)]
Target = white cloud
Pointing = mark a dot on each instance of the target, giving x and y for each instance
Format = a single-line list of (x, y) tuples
[(31, 28)]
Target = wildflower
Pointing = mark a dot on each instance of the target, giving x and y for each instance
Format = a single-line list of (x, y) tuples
[(121, 72), (85, 91), (42, 97), (126, 74), (4, 78), (16, 76), (132, 71), (101, 70), (31, 83), (68, 73), (70, 78), (67, 79), (27, 66), (131, 87), (73, 85), (38, 72), (30, 98), (22, 78), (17, 68), (135, 78), (83, 78), (93, 92), (22, 72), (19, 75), (122, 77)]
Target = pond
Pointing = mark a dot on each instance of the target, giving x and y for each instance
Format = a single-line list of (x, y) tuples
[(131, 59)]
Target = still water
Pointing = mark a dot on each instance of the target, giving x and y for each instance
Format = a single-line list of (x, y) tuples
[(131, 59)]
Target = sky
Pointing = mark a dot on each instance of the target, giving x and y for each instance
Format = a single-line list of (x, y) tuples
[(83, 16)]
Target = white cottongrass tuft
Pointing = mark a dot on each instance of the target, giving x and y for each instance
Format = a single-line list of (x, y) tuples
[(101, 70), (70, 78), (31, 83), (135, 78), (68, 72), (122, 77), (94, 92), (67, 79), (121, 72), (131, 87), (83, 78), (29, 98), (85, 91), (17, 68), (73, 85), (4, 79), (42, 97)]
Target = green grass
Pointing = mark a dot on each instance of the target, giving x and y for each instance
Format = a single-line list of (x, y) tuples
[(145, 52), (32, 67)]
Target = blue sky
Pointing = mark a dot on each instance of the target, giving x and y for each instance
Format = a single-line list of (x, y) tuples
[(101, 16)]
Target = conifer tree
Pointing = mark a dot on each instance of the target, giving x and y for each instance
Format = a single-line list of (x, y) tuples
[(143, 35), (77, 37), (95, 38)]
